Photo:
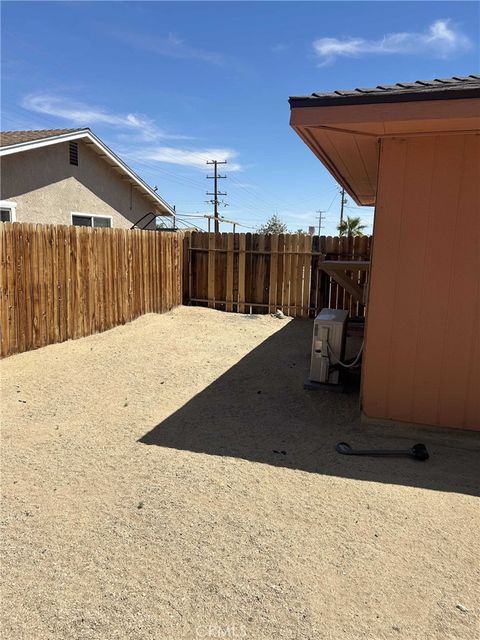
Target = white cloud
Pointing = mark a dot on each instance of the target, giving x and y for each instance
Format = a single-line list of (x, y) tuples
[(191, 158), (280, 47), (169, 46), (81, 114), (440, 40), (137, 132)]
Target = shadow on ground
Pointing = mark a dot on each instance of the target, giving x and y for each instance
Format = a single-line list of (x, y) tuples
[(259, 407)]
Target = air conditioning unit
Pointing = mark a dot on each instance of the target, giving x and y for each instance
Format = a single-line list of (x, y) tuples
[(328, 346)]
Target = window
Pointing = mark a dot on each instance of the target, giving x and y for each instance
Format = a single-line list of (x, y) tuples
[(7, 211), (91, 220), (102, 222), (73, 151)]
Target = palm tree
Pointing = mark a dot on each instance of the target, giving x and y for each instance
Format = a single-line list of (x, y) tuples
[(351, 227)]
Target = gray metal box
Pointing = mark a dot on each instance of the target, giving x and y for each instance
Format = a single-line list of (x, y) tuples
[(328, 345)]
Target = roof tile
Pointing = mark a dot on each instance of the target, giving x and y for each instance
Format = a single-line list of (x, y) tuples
[(8, 138), (420, 89)]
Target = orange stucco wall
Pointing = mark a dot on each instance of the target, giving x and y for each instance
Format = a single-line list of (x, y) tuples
[(422, 353)]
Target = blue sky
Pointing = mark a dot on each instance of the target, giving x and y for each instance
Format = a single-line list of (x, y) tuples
[(170, 85)]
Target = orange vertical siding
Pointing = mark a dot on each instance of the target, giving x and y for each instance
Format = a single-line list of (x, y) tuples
[(422, 356)]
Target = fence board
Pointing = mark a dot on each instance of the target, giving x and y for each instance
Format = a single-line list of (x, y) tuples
[(3, 292), (280, 271), (211, 270), (21, 286), (60, 282), (286, 274), (307, 263), (248, 270), (272, 297), (229, 297), (12, 316), (297, 275), (258, 271)]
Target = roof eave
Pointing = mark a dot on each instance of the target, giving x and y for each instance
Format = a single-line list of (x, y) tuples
[(332, 168), (371, 98)]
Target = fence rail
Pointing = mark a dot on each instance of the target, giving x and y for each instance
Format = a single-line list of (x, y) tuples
[(60, 282), (261, 273)]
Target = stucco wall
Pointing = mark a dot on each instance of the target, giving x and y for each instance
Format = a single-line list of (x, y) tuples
[(47, 188), (422, 352)]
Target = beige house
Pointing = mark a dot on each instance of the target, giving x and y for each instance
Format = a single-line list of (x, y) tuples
[(69, 176)]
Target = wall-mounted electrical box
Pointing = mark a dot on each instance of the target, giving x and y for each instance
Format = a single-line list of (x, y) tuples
[(328, 346)]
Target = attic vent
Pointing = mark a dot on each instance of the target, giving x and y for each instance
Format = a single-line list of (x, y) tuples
[(73, 149)]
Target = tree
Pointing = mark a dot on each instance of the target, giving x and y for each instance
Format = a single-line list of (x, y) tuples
[(273, 225), (351, 227)]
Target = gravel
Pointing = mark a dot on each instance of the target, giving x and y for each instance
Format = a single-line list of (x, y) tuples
[(171, 479)]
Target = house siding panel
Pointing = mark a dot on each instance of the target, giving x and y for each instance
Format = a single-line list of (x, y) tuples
[(422, 350), (47, 188)]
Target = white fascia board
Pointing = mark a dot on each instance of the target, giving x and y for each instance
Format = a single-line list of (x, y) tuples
[(87, 134)]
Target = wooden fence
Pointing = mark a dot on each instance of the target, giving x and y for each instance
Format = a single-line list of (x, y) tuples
[(255, 273), (60, 282)]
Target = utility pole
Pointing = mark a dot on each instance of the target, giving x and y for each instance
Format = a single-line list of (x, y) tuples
[(321, 217), (216, 192)]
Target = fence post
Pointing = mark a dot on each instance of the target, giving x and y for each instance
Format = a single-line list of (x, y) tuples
[(241, 273)]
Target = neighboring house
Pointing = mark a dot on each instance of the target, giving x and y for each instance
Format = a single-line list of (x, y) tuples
[(412, 150), (69, 176)]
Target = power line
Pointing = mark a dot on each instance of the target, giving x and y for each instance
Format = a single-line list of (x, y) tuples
[(343, 202), (187, 214), (190, 224), (269, 201), (247, 198), (176, 177), (256, 198), (333, 200)]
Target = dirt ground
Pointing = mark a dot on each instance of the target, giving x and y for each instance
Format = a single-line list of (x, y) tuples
[(171, 479)]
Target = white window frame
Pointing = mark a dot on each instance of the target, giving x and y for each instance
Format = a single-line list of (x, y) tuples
[(9, 204), (91, 215)]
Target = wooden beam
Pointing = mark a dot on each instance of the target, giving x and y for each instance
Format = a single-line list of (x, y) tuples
[(346, 282), (345, 265)]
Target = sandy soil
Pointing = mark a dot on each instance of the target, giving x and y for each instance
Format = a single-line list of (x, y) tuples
[(143, 498)]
